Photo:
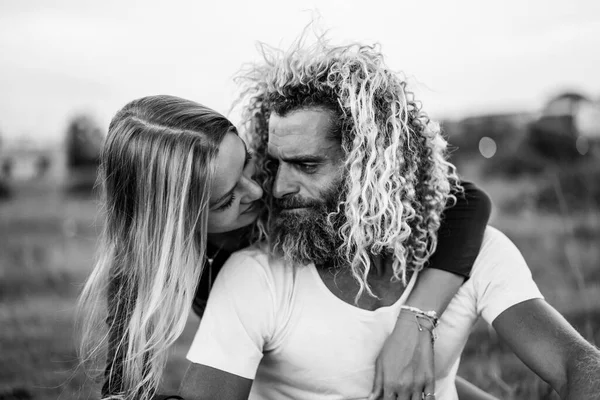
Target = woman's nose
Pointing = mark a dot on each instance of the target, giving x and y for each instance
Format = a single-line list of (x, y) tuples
[(253, 190)]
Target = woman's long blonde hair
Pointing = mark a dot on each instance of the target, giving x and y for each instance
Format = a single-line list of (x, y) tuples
[(156, 170)]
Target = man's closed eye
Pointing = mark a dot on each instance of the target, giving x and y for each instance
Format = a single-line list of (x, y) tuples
[(308, 168)]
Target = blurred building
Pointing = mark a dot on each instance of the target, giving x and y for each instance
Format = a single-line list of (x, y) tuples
[(572, 122), (70, 165), (23, 160), (584, 113), (505, 131)]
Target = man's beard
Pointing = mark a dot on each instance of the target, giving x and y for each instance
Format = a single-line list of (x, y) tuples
[(305, 236)]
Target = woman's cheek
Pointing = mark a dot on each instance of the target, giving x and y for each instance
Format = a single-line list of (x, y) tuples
[(232, 214)]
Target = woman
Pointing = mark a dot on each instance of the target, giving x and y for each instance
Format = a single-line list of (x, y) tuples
[(177, 179)]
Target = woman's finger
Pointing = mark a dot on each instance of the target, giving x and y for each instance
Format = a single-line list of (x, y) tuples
[(417, 391), (391, 395), (417, 395), (429, 391), (429, 382), (428, 395)]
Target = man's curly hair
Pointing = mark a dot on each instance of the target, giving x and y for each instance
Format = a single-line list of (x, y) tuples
[(398, 179)]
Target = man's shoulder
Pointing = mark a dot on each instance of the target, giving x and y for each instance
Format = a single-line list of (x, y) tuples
[(495, 242), (492, 234), (498, 256), (255, 262), (257, 252), (500, 277)]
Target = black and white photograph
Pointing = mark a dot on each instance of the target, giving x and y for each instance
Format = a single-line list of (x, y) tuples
[(312, 200)]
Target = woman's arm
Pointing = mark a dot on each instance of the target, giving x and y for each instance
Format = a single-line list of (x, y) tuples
[(405, 364), (206, 383), (467, 391)]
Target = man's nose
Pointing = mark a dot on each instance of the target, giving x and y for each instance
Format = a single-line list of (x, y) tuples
[(284, 185)]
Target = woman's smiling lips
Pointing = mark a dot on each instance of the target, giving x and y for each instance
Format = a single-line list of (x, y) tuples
[(250, 208)]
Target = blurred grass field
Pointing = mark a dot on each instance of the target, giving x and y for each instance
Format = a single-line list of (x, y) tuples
[(47, 244)]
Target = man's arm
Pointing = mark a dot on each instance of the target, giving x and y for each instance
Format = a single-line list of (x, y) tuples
[(237, 322), (552, 348), (206, 383)]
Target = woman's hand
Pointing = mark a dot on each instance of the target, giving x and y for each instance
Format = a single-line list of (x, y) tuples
[(405, 367)]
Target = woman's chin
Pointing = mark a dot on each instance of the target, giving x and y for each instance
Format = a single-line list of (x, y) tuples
[(242, 224), (247, 218)]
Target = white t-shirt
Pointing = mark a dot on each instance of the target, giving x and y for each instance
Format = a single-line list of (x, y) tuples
[(284, 328)]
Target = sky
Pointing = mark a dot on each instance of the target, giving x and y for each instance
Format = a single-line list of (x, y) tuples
[(463, 57)]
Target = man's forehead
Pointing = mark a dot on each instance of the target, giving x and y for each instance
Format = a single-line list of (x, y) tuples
[(298, 144), (288, 150), (301, 130)]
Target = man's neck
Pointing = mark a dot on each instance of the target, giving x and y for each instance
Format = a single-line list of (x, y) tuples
[(344, 286), (381, 266)]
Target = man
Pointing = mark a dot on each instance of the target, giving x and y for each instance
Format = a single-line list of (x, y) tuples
[(359, 181)]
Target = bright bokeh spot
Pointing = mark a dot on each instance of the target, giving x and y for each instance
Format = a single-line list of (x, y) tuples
[(487, 147), (583, 145)]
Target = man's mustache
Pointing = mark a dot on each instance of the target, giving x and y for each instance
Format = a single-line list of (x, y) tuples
[(296, 202)]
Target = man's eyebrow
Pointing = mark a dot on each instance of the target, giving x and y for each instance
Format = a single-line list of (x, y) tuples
[(303, 158)]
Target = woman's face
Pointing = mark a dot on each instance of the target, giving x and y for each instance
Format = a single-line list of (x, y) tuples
[(233, 192)]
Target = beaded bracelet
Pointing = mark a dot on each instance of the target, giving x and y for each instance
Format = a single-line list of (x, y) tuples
[(421, 328), (429, 315)]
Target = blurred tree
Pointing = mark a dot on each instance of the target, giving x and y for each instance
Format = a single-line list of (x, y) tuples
[(554, 137), (6, 168), (566, 103), (4, 173), (83, 142), (505, 130), (553, 140)]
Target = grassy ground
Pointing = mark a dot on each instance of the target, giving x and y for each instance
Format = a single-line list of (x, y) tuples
[(561, 249), (46, 249), (47, 245)]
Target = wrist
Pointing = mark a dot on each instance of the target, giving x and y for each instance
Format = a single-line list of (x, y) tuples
[(429, 315), (425, 321)]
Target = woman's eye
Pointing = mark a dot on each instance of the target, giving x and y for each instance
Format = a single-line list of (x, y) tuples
[(227, 204)]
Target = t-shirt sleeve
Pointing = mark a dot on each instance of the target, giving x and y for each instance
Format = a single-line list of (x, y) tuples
[(461, 231), (502, 278), (238, 319)]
